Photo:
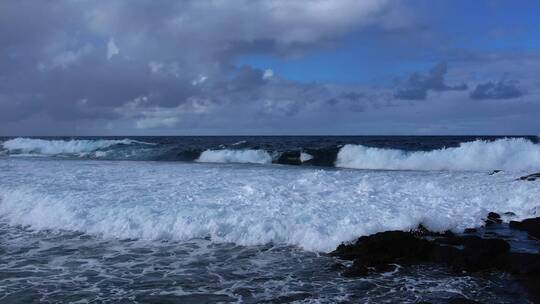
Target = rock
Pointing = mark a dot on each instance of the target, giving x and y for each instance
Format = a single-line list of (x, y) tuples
[(493, 218), (356, 270), (422, 231), (322, 156), (289, 158), (532, 226), (381, 251), (470, 230), (495, 172), (477, 253), (509, 213), (386, 248), (337, 266), (398, 247), (480, 254), (530, 177), (526, 268)]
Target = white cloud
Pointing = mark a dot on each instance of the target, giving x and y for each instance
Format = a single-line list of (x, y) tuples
[(287, 22), (146, 116), (112, 49), (200, 80), (268, 73), (155, 67), (67, 58)]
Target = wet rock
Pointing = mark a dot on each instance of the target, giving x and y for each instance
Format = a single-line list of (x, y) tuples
[(530, 177), (337, 266), (509, 213), (532, 226), (422, 231), (381, 251), (470, 253), (289, 158), (526, 268), (386, 247), (323, 156), (493, 218), (470, 230), (495, 172), (356, 270)]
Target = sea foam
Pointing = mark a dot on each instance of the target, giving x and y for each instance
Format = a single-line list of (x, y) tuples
[(235, 156), (313, 209), (512, 154)]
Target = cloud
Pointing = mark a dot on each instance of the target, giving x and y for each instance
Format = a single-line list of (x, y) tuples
[(417, 85), (497, 90), (139, 67), (268, 73), (172, 52), (112, 49)]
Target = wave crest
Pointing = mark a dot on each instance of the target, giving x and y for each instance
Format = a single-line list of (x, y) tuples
[(513, 154), (250, 156), (22, 145)]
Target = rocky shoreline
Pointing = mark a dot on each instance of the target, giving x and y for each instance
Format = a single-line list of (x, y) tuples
[(476, 250)]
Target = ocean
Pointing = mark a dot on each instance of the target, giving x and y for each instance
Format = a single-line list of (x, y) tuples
[(246, 219)]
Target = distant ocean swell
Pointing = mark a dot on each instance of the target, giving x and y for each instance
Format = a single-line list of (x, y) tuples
[(512, 154)]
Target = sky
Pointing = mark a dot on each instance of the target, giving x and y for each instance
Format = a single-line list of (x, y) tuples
[(274, 67)]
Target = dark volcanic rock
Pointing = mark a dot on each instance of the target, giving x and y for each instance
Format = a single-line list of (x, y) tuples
[(530, 177), (470, 230), (493, 218), (381, 251), (422, 231), (532, 226), (386, 247), (322, 156), (289, 158), (470, 253)]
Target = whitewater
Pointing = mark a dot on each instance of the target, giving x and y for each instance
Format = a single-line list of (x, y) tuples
[(509, 154), (249, 204)]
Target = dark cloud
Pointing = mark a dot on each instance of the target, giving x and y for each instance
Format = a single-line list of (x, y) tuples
[(497, 90), (417, 85)]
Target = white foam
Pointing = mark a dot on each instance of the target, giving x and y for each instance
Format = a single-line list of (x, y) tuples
[(304, 157), (239, 143), (313, 209), (512, 154), (57, 147), (235, 156)]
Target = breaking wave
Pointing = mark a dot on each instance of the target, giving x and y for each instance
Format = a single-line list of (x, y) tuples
[(510, 154), (62, 147), (513, 154), (235, 156)]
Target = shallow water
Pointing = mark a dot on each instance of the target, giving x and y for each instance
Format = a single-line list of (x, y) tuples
[(74, 267)]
